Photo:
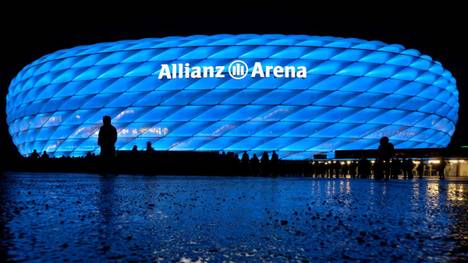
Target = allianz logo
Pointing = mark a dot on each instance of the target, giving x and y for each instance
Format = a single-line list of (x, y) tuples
[(237, 69)]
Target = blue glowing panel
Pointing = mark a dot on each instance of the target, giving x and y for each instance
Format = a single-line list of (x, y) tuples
[(355, 92)]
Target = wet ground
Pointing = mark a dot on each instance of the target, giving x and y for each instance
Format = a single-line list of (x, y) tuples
[(87, 217)]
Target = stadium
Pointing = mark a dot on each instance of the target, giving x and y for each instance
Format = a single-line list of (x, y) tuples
[(352, 93)]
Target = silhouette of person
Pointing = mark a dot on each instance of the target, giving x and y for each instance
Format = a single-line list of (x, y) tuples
[(345, 169), (352, 169), (396, 168), (337, 169), (265, 164), (134, 154), (134, 149), (330, 169), (107, 138), (409, 168), (45, 155), (274, 156), (149, 148), (385, 153), (89, 155), (420, 168), (245, 163), (441, 169), (245, 158), (404, 169), (34, 154), (313, 168), (386, 149), (364, 167), (274, 163), (235, 161), (254, 162), (322, 169)]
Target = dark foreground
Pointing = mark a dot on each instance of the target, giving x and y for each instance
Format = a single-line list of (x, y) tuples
[(87, 217)]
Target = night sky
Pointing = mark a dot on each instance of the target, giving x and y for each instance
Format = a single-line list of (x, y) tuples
[(436, 30)]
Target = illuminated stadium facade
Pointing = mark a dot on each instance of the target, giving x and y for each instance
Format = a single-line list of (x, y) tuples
[(350, 93)]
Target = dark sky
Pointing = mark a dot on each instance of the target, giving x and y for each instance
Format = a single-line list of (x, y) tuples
[(28, 33)]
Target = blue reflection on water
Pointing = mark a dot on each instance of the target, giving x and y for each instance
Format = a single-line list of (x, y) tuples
[(92, 218)]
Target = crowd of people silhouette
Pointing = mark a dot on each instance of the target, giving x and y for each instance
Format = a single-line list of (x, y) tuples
[(385, 166)]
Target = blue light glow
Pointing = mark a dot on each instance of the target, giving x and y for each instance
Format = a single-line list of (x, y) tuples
[(355, 92)]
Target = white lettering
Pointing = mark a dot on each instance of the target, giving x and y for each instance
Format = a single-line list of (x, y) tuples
[(196, 73), (278, 72), (289, 72), (257, 69), (208, 72), (184, 70), (164, 72), (219, 71), (302, 73)]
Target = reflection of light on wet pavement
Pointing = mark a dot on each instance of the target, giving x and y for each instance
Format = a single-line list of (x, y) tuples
[(345, 186), (456, 192), (122, 218), (432, 194)]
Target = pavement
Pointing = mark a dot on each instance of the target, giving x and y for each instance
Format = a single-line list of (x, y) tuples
[(93, 218)]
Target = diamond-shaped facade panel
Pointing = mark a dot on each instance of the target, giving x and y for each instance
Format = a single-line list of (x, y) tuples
[(355, 92)]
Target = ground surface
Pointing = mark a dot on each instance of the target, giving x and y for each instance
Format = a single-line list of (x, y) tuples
[(76, 217)]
